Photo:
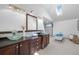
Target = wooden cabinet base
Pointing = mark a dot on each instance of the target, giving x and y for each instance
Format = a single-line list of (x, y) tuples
[(26, 47), (44, 40), (9, 50)]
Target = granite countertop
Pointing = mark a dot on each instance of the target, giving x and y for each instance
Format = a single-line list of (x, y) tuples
[(43, 34), (5, 41)]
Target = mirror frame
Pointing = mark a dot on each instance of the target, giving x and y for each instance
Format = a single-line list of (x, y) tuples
[(27, 21)]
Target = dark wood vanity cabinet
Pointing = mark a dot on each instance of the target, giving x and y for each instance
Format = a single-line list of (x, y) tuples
[(21, 48), (9, 50), (35, 45), (29, 47), (25, 47), (45, 40), (32, 47), (38, 44)]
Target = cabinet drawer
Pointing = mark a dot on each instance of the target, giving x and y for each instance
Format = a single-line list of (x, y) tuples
[(38, 47)]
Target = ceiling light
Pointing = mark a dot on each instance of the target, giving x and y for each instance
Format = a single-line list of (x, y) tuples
[(15, 8)]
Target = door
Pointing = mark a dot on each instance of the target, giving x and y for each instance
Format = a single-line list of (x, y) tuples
[(49, 29), (44, 42), (24, 48), (9, 50), (47, 38), (33, 46)]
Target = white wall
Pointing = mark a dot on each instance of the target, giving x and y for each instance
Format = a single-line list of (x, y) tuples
[(66, 27), (11, 20)]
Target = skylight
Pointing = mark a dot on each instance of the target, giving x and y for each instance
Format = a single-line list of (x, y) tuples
[(59, 9)]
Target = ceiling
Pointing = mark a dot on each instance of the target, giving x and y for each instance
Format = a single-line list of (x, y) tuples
[(70, 11)]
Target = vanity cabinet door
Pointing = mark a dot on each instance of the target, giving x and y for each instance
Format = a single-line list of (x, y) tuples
[(45, 41), (32, 47), (9, 50), (24, 48), (35, 45)]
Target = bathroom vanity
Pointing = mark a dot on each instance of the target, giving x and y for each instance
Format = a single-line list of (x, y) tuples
[(23, 46)]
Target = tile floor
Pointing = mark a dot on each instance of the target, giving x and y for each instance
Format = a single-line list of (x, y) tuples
[(66, 47)]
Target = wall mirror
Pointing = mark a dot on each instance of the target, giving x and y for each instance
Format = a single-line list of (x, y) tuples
[(31, 22)]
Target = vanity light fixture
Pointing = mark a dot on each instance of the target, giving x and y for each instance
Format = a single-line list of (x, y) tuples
[(15, 8)]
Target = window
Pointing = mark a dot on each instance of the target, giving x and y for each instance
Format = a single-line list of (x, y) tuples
[(59, 9)]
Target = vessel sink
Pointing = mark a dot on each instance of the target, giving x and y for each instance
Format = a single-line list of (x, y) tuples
[(14, 37)]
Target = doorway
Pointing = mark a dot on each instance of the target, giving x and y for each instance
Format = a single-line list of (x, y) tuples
[(49, 29)]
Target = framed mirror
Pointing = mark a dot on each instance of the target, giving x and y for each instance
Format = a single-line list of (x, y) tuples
[(31, 22)]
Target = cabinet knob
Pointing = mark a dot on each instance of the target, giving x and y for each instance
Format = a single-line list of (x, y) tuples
[(37, 43), (37, 40), (17, 46), (37, 46), (20, 45)]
